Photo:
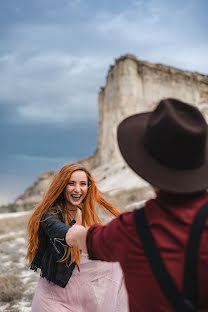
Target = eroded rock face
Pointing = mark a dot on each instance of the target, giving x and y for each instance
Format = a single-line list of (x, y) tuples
[(132, 86), (33, 193)]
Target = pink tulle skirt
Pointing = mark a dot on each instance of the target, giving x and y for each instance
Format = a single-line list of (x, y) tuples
[(98, 287)]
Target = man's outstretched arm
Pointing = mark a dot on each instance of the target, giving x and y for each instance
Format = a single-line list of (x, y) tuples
[(102, 242)]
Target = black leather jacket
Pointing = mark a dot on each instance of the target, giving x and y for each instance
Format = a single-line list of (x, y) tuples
[(52, 234)]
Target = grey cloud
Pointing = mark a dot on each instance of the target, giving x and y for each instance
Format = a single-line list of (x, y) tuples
[(50, 86), (49, 82), (158, 31)]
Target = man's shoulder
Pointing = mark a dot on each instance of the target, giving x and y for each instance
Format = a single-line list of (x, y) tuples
[(127, 218)]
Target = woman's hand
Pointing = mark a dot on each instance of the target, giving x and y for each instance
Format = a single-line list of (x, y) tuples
[(76, 236)]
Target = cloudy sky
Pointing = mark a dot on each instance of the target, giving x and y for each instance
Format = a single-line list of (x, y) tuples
[(54, 57)]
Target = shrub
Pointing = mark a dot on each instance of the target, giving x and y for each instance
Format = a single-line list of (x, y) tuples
[(11, 287)]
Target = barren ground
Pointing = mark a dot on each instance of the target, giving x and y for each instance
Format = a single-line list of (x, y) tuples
[(17, 282)]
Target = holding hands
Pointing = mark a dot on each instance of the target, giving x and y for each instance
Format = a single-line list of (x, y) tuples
[(76, 236)]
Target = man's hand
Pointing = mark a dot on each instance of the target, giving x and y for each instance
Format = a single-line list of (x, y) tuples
[(76, 236)]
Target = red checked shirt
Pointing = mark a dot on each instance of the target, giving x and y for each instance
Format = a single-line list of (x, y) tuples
[(170, 219)]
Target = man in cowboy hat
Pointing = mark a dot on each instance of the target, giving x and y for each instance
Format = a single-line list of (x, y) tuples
[(165, 268)]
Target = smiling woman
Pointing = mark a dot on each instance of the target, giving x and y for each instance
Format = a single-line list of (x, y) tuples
[(65, 271)]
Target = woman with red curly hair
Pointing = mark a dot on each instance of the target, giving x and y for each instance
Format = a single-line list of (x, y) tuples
[(69, 280)]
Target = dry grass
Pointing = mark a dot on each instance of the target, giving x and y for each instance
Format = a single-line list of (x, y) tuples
[(16, 284), (11, 287), (13, 224), (13, 310), (7, 239)]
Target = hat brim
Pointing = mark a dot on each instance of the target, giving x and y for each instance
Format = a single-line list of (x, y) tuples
[(130, 140)]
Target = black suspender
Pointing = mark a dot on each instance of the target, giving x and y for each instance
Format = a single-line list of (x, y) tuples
[(191, 261), (188, 300)]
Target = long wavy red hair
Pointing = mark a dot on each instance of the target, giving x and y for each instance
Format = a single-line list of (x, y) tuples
[(54, 202)]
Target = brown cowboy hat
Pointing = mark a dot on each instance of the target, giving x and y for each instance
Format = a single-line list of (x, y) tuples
[(167, 147)]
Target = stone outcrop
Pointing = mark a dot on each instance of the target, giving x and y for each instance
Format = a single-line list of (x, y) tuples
[(132, 86)]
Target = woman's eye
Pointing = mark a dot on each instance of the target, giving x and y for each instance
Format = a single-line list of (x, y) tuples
[(70, 183)]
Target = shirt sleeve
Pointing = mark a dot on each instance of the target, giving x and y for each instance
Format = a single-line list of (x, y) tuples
[(109, 242), (55, 228)]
